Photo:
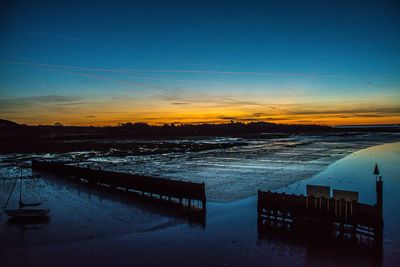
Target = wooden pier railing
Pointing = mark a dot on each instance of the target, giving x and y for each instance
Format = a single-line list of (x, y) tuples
[(183, 192), (287, 210)]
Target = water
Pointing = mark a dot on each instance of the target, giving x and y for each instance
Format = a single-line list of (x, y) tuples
[(233, 173), (355, 173), (92, 227)]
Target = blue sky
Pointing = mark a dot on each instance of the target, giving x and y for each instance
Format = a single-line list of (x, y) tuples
[(143, 57)]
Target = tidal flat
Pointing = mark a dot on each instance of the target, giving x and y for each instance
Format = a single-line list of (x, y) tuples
[(90, 227)]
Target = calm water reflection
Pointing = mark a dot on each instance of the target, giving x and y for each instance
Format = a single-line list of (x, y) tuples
[(355, 172)]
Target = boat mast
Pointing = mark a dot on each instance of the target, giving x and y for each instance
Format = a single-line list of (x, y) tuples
[(20, 190), (12, 190)]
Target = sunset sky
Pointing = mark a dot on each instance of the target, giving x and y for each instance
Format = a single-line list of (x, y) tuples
[(107, 62)]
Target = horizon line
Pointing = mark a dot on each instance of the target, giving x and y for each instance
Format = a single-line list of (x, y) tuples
[(119, 124)]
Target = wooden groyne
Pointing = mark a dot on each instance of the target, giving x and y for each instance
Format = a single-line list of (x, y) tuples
[(342, 218), (182, 192)]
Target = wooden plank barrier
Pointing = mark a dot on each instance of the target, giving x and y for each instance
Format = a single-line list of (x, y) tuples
[(339, 215), (180, 190)]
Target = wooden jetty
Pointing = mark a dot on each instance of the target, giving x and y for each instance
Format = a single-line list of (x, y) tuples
[(341, 218), (182, 192)]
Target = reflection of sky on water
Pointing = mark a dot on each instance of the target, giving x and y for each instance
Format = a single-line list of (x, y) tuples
[(355, 173), (77, 213)]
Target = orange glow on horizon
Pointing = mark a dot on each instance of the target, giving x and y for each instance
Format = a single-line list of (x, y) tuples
[(205, 109)]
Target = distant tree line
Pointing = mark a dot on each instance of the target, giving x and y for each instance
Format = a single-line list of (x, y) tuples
[(12, 130)]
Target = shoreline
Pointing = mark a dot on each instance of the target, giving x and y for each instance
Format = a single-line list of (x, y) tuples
[(289, 187)]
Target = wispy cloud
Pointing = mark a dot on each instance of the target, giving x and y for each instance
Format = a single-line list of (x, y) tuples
[(211, 100), (192, 71), (88, 73), (21, 102), (354, 112), (49, 98), (249, 118), (173, 104), (180, 103), (107, 78)]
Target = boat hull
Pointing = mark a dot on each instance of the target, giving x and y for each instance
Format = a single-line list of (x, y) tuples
[(27, 213)]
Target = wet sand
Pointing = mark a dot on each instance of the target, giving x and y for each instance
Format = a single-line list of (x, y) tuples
[(230, 173), (92, 228)]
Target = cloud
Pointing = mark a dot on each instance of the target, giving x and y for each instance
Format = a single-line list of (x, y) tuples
[(107, 78), (191, 71), (180, 103), (259, 114), (180, 98), (30, 101), (250, 118), (228, 117), (49, 98), (356, 112), (85, 72)]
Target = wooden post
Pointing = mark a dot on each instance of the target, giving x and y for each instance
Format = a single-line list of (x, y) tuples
[(354, 231), (378, 240), (351, 208), (336, 206), (379, 195), (259, 204), (327, 205)]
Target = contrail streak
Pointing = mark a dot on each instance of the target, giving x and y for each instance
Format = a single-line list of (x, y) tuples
[(216, 72)]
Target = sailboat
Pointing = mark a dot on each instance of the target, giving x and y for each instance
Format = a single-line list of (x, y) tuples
[(25, 213)]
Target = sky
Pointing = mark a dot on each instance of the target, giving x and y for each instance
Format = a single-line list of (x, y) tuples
[(109, 62)]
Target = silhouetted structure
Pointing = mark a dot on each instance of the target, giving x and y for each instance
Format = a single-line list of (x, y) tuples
[(335, 217), (182, 192)]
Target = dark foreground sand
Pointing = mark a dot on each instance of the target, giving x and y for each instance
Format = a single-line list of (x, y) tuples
[(93, 228)]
